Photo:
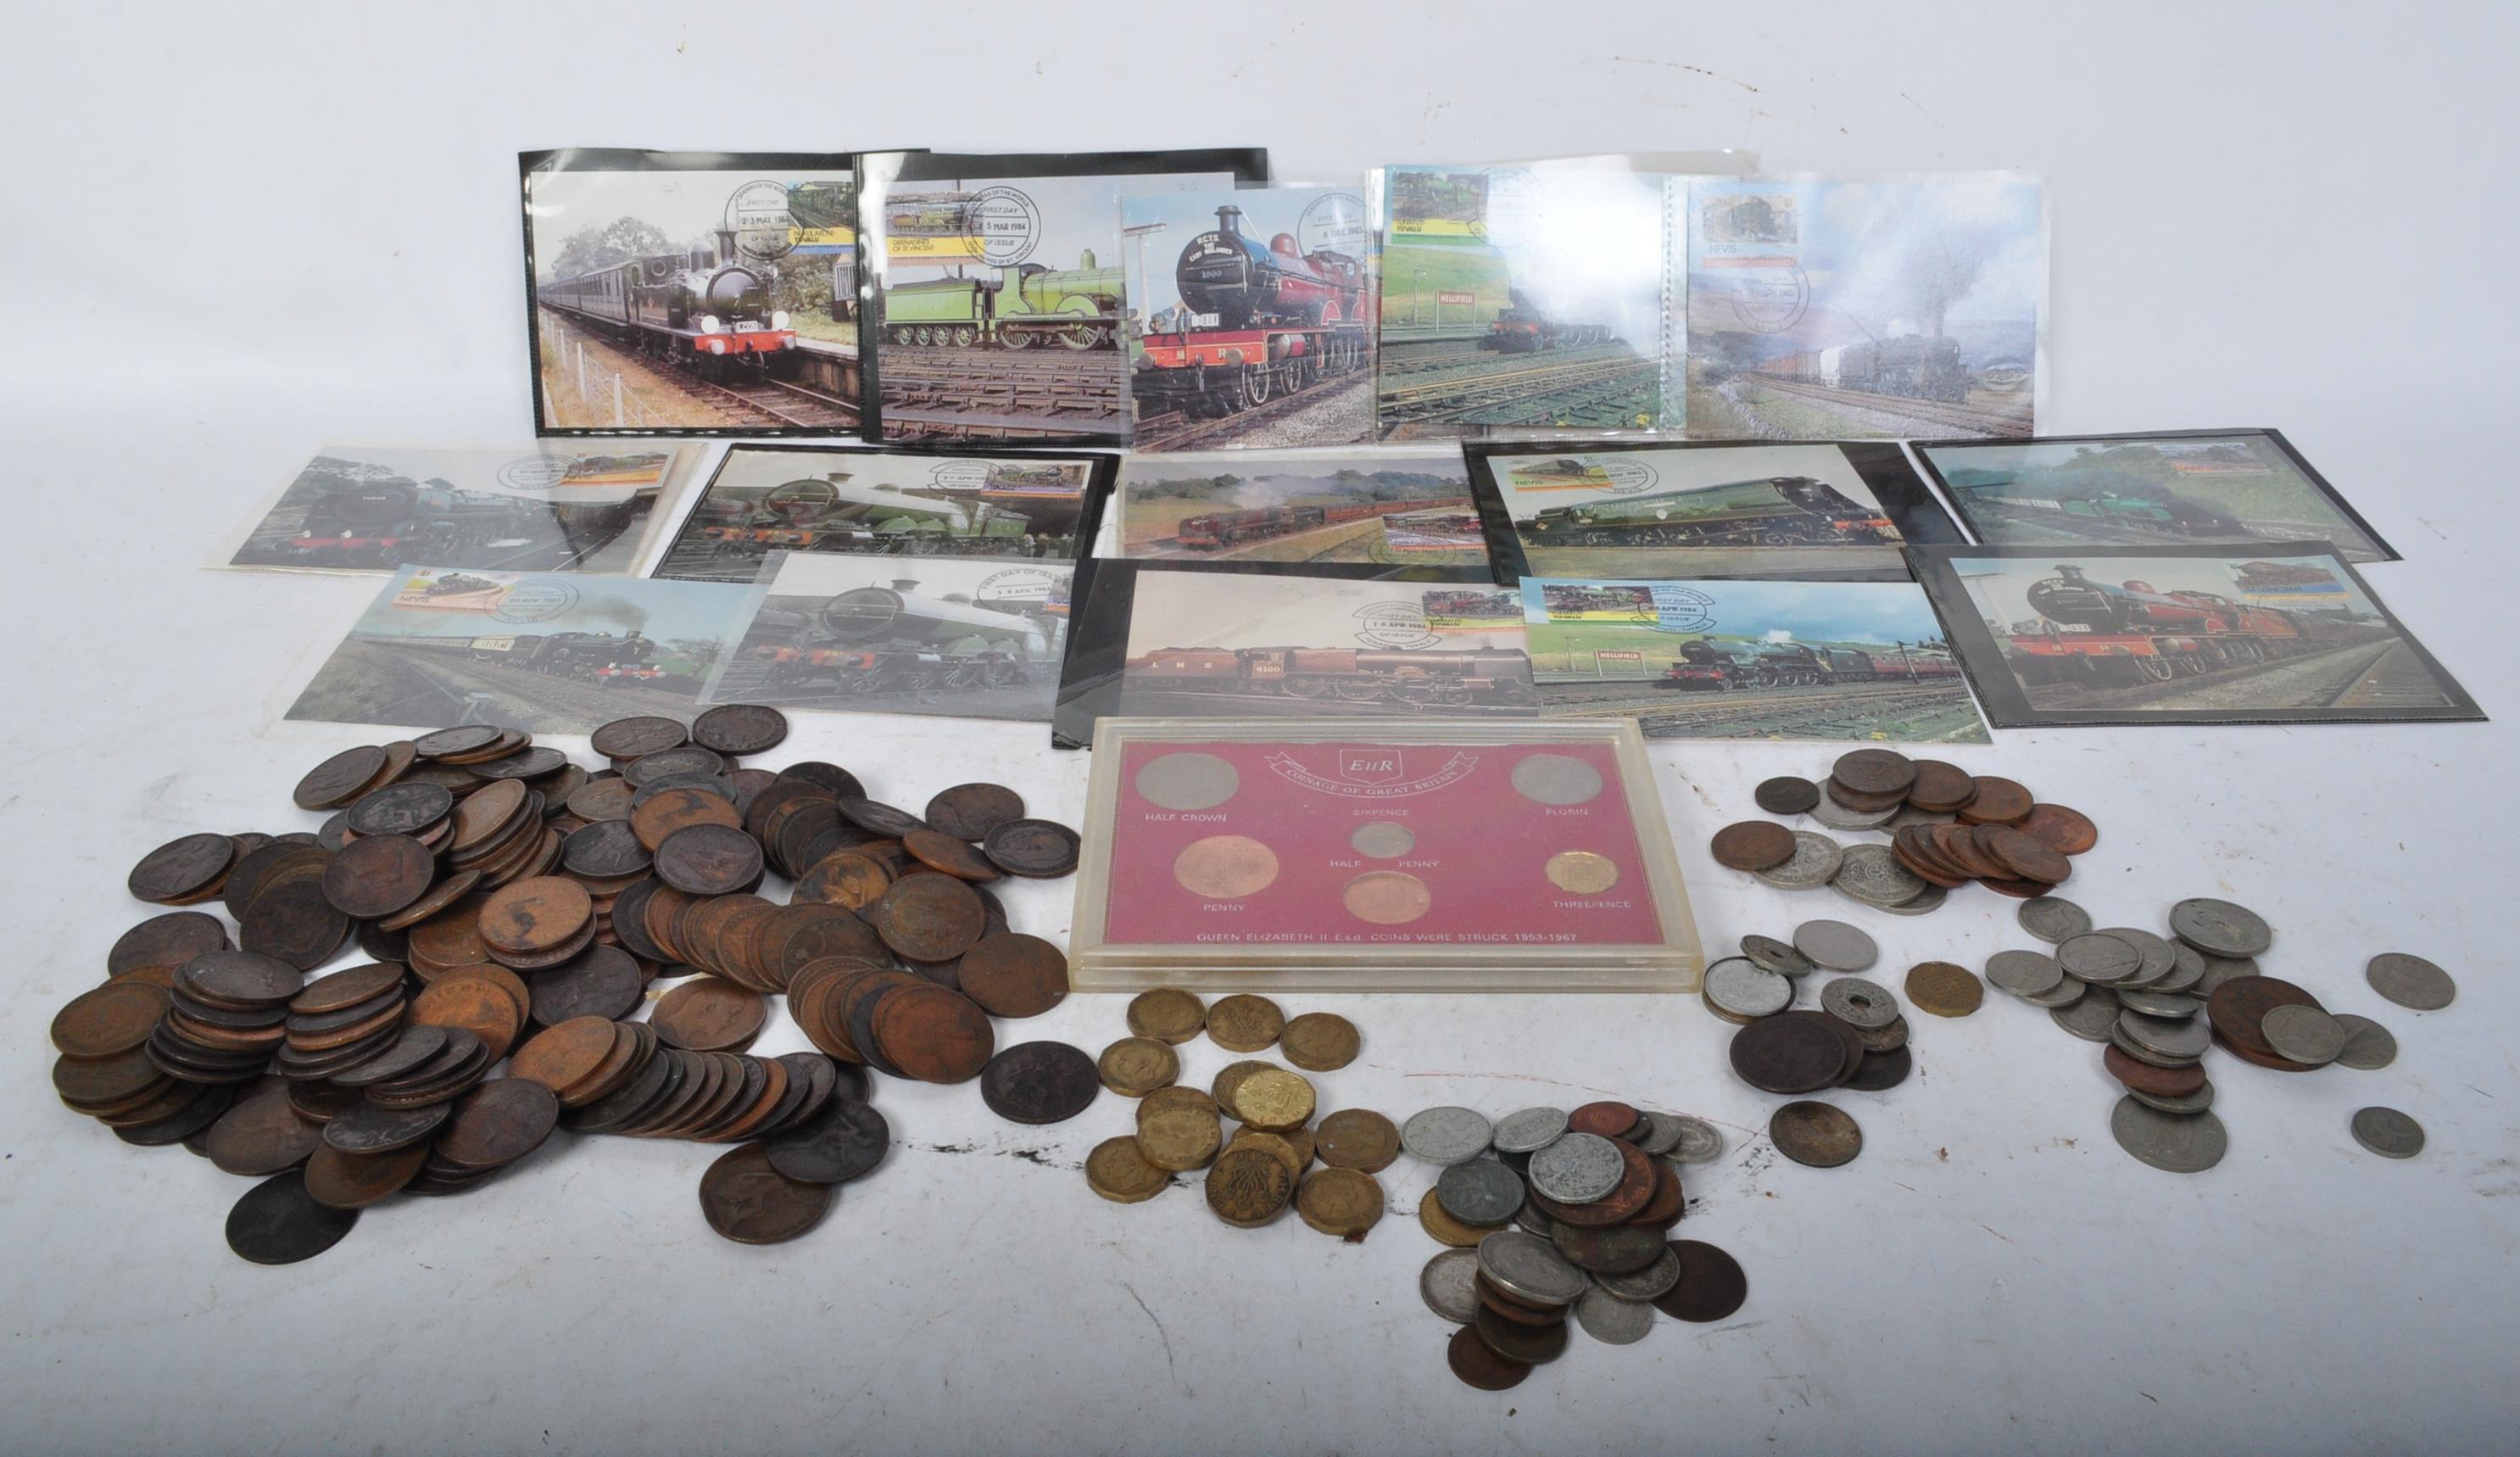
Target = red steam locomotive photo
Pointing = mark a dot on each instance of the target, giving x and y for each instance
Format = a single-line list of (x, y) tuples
[(2099, 631)]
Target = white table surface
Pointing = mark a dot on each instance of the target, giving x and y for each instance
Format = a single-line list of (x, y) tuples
[(239, 232)]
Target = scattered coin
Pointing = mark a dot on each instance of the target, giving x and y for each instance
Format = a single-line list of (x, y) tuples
[(1700, 1142), (1341, 1202), (2368, 1046), (1860, 1003), (2410, 982), (1753, 845), (1943, 989), (1815, 1134), (1246, 1187), (1167, 1013), (1611, 1320), (1479, 1191), (1013, 975), (278, 1222), (1446, 1286), (1359, 1138), (1790, 795), (2387, 1133), (2053, 919), (1837, 945), (1243, 1023), (1815, 862), (1135, 1067), (1741, 990), (1119, 1172), (1711, 1285), (1319, 1041)]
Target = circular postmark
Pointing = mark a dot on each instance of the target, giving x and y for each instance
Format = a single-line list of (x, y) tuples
[(1769, 300), (536, 473), (535, 602), (1333, 223), (1624, 475), (1008, 224), (1396, 623), (1678, 609), (961, 474), (1014, 584), (758, 214)]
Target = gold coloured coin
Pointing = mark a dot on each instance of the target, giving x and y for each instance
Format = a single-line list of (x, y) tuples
[(1943, 989), (1135, 1067), (1247, 1187), (1358, 1138), (1243, 1023), (1167, 1013), (1275, 1143), (1319, 1041), (1274, 1100), (1119, 1172), (1231, 1079), (1179, 1139), (1444, 1229), (1162, 1100), (1341, 1202), (1388, 897), (1226, 867), (1581, 872)]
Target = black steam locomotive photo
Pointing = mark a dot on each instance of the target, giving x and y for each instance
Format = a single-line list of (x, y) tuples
[(604, 659), (377, 510), (893, 647), (1706, 665), (691, 308), (1524, 328), (1485, 677), (1284, 320)]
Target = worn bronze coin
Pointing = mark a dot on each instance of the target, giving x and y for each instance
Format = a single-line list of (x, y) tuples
[(709, 860), (1116, 1170), (934, 1035), (525, 763), (353, 1181), (296, 924), (709, 1014), (2148, 1079), (2025, 856), (1711, 1284), (943, 852), (739, 729), (1940, 788), (341, 779), (972, 811), (1788, 795), (567, 1054), (1875, 772), (2068, 831), (1943, 989), (928, 917), (844, 1141), (1013, 975), (1997, 801), (261, 1134), (2238, 1008), (1790, 1054), (1343, 1202), (1753, 845), (600, 801), (1357, 1138), (169, 939), (636, 738), (751, 1203), (183, 870), (498, 1122), (468, 738), (605, 850), (679, 807), (1608, 1118), (1815, 1134), (371, 1128), (278, 1222), (1319, 1041), (476, 1004), (1035, 848), (536, 915), (378, 875), (405, 808), (1167, 1013), (845, 879), (600, 981), (1135, 1067), (1038, 1082), (116, 1016), (413, 1047), (1476, 1364)]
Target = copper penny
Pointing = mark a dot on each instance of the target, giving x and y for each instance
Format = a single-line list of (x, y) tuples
[(1668, 1204), (468, 738), (1997, 802), (740, 728), (498, 1122), (709, 860), (1388, 897), (1815, 1134), (928, 917), (843, 878), (708, 1014), (1940, 786), (679, 809), (1478, 1366), (475, 1005), (563, 1056), (639, 737), (602, 801), (973, 811), (400, 809), (1874, 772), (535, 916), (2025, 856), (166, 940), (349, 987), (1711, 1284), (294, 924), (1034, 848), (1013, 975), (1753, 845), (481, 818), (600, 981), (2239, 1010), (341, 779), (934, 1035), (2145, 1077), (116, 1016), (354, 1181), (1040, 1082), (1607, 1118), (263, 1134), (379, 875), (751, 1203), (945, 852), (2068, 831), (181, 870)]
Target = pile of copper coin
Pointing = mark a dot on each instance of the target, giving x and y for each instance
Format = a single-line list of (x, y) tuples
[(1550, 1216), (1948, 829), (1268, 1166), (511, 900)]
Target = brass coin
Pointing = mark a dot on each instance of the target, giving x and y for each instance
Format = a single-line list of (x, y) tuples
[(1278, 1143), (1175, 1095), (1581, 872), (1341, 1202), (1388, 897), (1179, 1139), (1357, 1138), (1119, 1172), (1135, 1067), (1246, 1187), (1243, 1023), (1167, 1013), (1444, 1229), (1274, 1099), (1318, 1043), (1226, 867), (1943, 989), (1229, 1080)]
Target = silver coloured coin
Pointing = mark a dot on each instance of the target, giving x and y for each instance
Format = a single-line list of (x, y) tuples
[(2053, 919), (2068, 991), (2092, 1017), (2024, 973), (2367, 1044), (1613, 1321), (1837, 945), (2218, 969), (1930, 901), (2180, 1144), (1556, 779), (2187, 968), (2131, 1047), (1871, 874), (2195, 1102), (1662, 1134), (2305, 1034), (2410, 982), (1772, 955), (1530, 1268), (1530, 1217), (2220, 927), (1643, 1285), (2154, 1003), (1700, 1142), (2159, 960), (1479, 1191), (1449, 1286), (2098, 958), (2387, 1133), (2166, 1036), (1858, 1003), (1189, 781), (1446, 1135), (1528, 1131), (1838, 817), (1814, 863), (1737, 987), (1578, 1168)]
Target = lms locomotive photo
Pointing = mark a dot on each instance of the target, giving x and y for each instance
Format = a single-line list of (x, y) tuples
[(867, 644), (2103, 633), (1774, 511), (1709, 666), (605, 660), (705, 315), (1408, 681), (1215, 530), (833, 513), (1284, 320)]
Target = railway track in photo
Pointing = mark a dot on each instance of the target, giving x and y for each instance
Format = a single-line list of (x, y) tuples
[(945, 390), (1812, 712), (1537, 392), (789, 404), (763, 402), (1934, 411), (2376, 675)]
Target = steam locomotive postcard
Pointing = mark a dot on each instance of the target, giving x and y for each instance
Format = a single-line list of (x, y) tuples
[(1532, 295), (692, 293), (886, 503), (1714, 509), (2278, 633), (1844, 309), (1749, 660), (998, 308), (1251, 318), (555, 653), (1391, 506), (369, 509), (2227, 488), (941, 635)]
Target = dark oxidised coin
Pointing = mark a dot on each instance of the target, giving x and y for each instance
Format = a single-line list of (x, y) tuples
[(294, 922), (636, 737), (928, 917), (839, 783), (337, 780), (1997, 801), (1790, 1054), (740, 728), (373, 1129), (934, 1034), (709, 1014), (278, 1223), (185, 869), (1013, 975), (600, 982), (1515, 1341), (1753, 845), (169, 939), (751, 1203), (468, 738), (1041, 849), (1620, 1250), (1875, 772), (943, 852), (1816, 1135), (1787, 795), (1711, 1284), (709, 860), (1476, 1364), (378, 875), (604, 850), (241, 980), (690, 758), (525, 763), (401, 808), (2069, 831), (972, 811), (261, 1134), (2239, 1010), (1038, 1082), (877, 817), (843, 1142), (1940, 786), (601, 799), (1880, 1072), (498, 1122), (413, 1048), (349, 988)]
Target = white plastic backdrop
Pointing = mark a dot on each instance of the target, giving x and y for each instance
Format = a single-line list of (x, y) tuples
[(236, 232)]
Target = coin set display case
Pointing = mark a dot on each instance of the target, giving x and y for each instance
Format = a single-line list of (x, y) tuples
[(1347, 855)]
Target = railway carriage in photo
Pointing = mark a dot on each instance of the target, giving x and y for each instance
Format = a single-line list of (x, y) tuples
[(690, 308), (387, 522), (1434, 678), (2102, 632), (1909, 367), (832, 513), (1285, 319), (1025, 304), (891, 639), (1769, 510)]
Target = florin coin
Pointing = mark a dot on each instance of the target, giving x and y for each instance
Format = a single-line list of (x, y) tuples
[(2218, 927), (1613, 1321), (1816, 1135), (1577, 1168), (1446, 1135), (1837, 945), (1529, 1130), (2177, 1144), (2305, 1034), (1448, 1285), (2410, 982), (2024, 973), (2367, 1044), (2387, 1133), (1479, 1191), (1740, 987), (1815, 862), (2053, 919)]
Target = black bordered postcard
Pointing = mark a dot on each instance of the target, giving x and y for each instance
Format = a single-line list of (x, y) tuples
[(995, 298), (1820, 511), (867, 500), (691, 293), (2278, 633), (2222, 487), (1265, 640)]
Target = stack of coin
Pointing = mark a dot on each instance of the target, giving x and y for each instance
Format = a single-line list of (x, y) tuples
[(337, 1022), (1549, 1214), (226, 1016)]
